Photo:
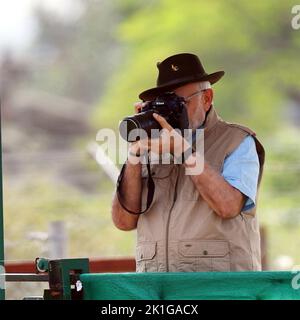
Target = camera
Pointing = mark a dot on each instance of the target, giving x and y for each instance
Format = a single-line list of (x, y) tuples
[(168, 105)]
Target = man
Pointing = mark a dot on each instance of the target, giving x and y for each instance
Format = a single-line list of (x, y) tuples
[(201, 222)]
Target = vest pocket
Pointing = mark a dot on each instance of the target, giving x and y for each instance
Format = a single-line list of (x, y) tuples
[(204, 255), (146, 257)]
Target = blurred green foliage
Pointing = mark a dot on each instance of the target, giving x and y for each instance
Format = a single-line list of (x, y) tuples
[(251, 40)]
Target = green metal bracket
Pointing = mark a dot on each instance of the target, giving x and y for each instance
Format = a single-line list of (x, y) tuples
[(2, 291), (64, 278)]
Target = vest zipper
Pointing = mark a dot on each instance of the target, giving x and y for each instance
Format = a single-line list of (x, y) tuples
[(168, 222)]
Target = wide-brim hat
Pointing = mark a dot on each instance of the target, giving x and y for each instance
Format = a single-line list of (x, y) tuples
[(178, 70)]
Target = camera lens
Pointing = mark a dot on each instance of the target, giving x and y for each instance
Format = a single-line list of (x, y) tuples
[(126, 126), (139, 126)]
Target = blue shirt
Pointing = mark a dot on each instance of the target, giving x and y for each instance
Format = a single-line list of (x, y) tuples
[(241, 170)]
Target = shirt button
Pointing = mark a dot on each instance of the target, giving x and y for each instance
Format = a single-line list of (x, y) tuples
[(205, 252)]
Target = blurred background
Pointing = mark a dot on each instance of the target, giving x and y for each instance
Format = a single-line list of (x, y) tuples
[(71, 67)]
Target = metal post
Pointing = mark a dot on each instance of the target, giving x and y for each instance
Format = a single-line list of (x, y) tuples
[(2, 291), (57, 238)]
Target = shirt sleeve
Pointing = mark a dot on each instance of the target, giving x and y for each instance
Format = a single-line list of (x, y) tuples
[(241, 170)]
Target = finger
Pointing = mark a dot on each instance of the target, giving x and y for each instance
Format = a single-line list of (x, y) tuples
[(154, 145), (134, 146), (144, 144), (138, 106), (162, 121)]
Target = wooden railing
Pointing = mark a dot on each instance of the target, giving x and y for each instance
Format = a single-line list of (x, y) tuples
[(97, 265)]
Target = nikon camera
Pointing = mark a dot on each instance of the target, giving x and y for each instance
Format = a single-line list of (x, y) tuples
[(168, 105)]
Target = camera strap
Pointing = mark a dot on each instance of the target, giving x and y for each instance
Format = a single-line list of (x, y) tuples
[(150, 185)]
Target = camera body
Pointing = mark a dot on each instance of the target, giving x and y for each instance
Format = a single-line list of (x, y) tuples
[(168, 105)]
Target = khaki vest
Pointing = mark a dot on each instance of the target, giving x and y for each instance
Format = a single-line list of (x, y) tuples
[(180, 232)]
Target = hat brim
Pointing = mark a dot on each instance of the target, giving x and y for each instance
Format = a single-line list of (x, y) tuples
[(154, 92)]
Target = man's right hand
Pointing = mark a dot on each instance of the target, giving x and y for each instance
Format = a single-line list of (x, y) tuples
[(138, 106)]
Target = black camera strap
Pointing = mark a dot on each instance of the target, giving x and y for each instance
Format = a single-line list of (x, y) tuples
[(150, 185)]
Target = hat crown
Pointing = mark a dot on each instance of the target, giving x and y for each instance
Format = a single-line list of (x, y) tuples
[(179, 66)]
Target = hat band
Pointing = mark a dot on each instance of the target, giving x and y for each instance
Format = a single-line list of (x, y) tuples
[(183, 79)]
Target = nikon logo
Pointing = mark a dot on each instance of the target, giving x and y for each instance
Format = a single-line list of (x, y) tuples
[(295, 22)]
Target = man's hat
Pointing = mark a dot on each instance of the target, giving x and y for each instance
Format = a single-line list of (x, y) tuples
[(178, 70)]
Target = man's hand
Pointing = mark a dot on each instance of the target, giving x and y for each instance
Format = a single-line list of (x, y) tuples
[(138, 106), (169, 141)]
